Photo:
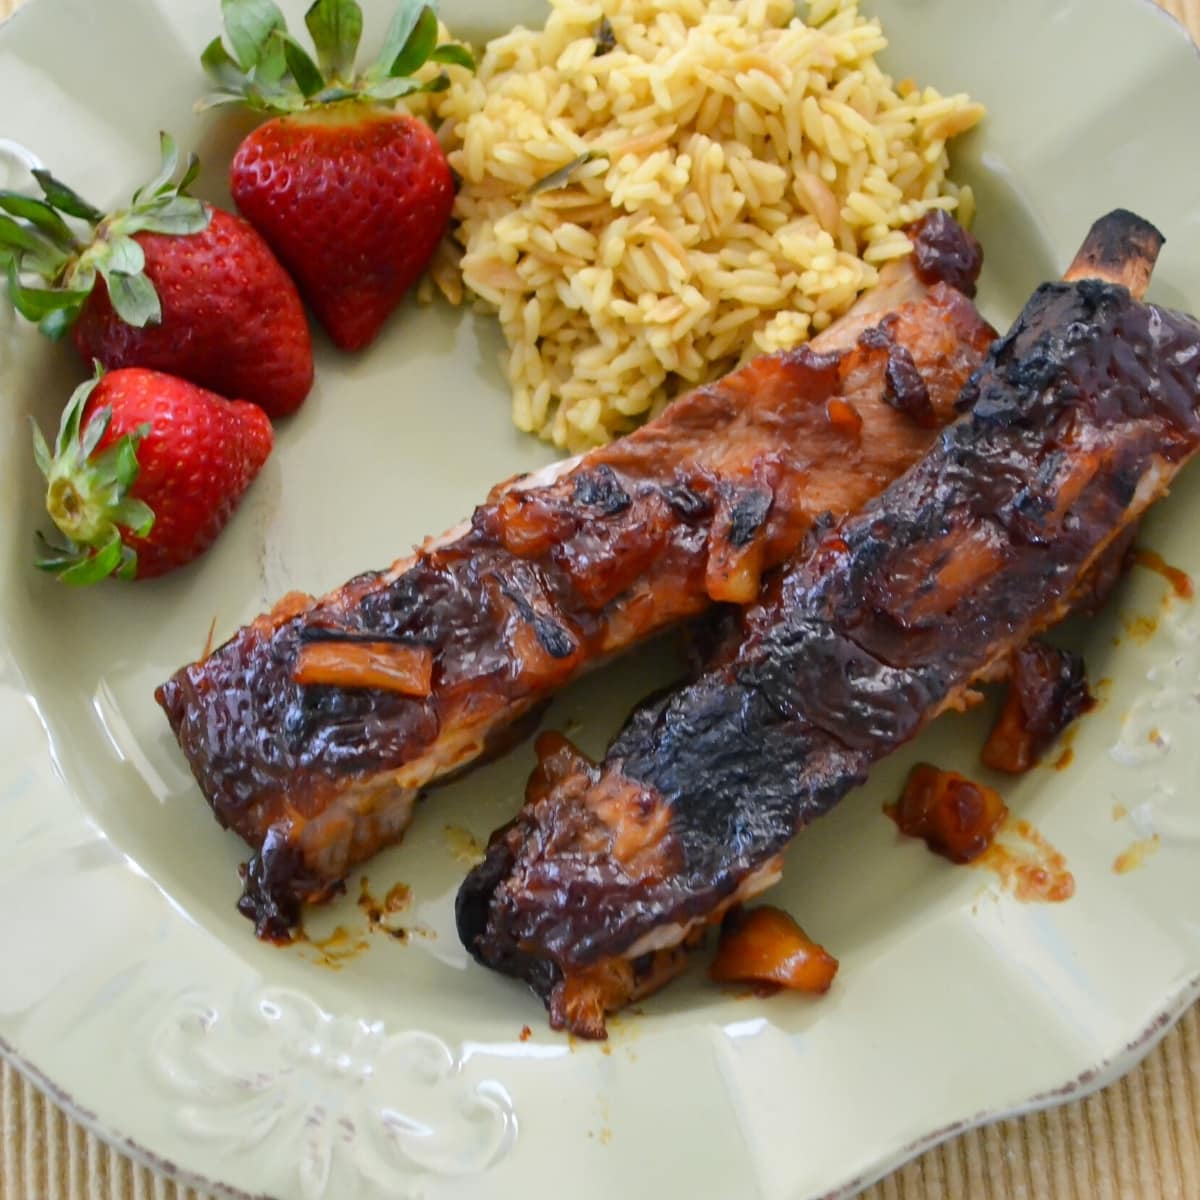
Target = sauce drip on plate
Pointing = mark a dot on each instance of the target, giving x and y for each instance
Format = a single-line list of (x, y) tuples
[(961, 820), (1180, 581)]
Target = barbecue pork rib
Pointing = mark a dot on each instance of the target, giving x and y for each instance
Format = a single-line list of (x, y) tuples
[(311, 731), (1076, 423)]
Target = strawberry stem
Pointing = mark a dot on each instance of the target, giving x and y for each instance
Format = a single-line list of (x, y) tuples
[(38, 243), (81, 516), (266, 68), (88, 495)]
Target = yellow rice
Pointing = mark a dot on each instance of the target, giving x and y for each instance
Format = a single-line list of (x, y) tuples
[(750, 172)]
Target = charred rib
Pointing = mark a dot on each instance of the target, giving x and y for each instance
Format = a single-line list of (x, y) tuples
[(1077, 422), (310, 737)]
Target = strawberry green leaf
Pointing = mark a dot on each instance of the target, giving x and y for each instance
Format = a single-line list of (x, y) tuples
[(125, 470), (56, 324), (335, 27), (79, 566), (115, 470), (251, 26), (303, 70), (222, 69), (88, 495), (29, 249), (119, 463), (41, 451), (162, 181), (419, 46), (191, 173), (162, 206), (134, 515), (270, 78), (133, 297), (125, 256), (128, 568), (182, 216), (97, 427), (453, 55), (66, 200), (391, 89), (219, 97), (18, 237), (45, 263), (332, 93), (55, 554), (255, 73), (404, 21), (263, 66), (98, 565), (35, 303), (42, 216), (72, 416)]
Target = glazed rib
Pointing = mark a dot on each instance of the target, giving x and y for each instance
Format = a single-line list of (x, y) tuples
[(1077, 422), (311, 731)]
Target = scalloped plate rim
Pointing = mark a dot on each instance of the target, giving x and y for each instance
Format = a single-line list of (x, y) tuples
[(1089, 1079)]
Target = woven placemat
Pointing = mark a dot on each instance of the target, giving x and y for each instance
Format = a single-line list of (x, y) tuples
[(1136, 1140)]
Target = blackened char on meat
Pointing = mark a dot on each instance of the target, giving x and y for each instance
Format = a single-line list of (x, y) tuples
[(311, 731), (1077, 421)]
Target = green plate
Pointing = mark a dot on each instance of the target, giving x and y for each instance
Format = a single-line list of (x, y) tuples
[(132, 989)]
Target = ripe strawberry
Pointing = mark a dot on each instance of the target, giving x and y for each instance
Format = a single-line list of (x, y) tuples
[(171, 284), (146, 471), (355, 201), (352, 195)]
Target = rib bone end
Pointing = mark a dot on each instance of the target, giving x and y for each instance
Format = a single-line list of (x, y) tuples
[(1120, 248)]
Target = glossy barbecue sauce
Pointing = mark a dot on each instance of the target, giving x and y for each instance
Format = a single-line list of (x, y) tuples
[(942, 253), (960, 820), (954, 816), (1135, 855), (379, 910), (1029, 866), (1180, 581), (1047, 691), (335, 949), (385, 674), (764, 946), (1080, 412)]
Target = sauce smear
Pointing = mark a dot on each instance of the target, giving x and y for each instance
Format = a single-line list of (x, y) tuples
[(334, 950), (1034, 872), (1136, 855), (377, 911), (1180, 581), (960, 819)]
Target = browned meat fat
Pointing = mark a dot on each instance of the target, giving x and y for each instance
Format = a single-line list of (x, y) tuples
[(311, 730), (1075, 424)]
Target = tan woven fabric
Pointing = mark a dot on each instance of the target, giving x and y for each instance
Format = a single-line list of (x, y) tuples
[(1137, 1140)]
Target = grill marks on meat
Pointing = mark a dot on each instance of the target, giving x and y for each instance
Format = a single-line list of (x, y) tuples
[(312, 729), (1078, 420)]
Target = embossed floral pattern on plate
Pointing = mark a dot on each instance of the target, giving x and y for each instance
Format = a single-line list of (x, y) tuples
[(392, 1108)]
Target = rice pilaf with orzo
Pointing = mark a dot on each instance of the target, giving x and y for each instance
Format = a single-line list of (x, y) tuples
[(654, 189)]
